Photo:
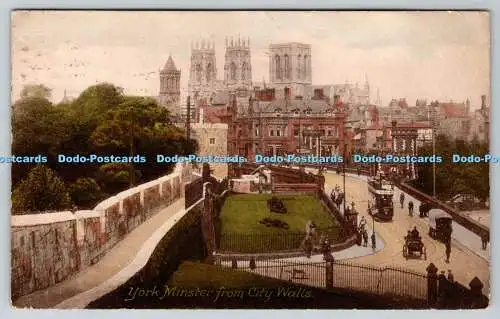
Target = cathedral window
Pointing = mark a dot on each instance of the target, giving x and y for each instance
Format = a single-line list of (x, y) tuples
[(232, 71), (296, 130), (277, 62), (271, 133), (198, 72), (305, 67), (257, 129), (209, 72), (212, 141), (244, 71), (287, 67), (299, 66)]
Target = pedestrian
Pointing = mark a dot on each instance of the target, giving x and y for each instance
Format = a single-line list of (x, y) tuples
[(410, 208), (442, 285), (374, 241), (365, 237), (362, 223), (448, 250), (402, 199), (451, 278), (484, 240), (359, 237)]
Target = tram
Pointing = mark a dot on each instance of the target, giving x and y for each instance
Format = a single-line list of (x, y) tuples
[(382, 192)]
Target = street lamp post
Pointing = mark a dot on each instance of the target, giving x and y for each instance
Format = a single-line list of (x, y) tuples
[(433, 123)]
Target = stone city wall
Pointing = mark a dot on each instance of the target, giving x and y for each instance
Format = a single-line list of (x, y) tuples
[(48, 248)]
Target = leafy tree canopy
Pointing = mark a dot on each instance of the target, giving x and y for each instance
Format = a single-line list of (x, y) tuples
[(36, 91), (103, 121), (42, 190), (455, 178)]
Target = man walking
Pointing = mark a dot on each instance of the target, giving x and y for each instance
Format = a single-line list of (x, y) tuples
[(402, 199)]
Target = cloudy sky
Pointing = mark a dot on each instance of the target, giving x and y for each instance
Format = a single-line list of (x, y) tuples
[(433, 55)]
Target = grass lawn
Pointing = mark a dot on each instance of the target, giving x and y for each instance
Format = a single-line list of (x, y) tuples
[(241, 231), (241, 214)]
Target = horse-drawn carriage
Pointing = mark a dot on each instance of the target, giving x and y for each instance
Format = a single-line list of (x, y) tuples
[(440, 225), (413, 245), (424, 209)]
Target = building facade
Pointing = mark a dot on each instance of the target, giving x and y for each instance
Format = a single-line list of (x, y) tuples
[(274, 126)]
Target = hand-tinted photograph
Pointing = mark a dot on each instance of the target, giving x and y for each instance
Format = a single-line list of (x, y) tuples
[(250, 160)]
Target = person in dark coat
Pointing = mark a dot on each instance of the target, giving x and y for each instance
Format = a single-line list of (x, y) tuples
[(484, 241), (410, 208), (451, 278), (442, 285), (365, 237)]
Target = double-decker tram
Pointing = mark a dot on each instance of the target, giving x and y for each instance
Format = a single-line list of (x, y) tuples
[(382, 192)]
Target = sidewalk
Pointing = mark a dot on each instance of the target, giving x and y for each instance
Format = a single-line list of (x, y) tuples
[(117, 258), (460, 233)]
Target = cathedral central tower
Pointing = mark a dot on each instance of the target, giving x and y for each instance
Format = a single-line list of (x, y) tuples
[(290, 66)]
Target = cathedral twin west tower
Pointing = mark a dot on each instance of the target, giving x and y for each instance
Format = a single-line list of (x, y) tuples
[(289, 67), (203, 70), (203, 81)]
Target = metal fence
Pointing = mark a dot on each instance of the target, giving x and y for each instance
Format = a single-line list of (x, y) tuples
[(386, 281), (274, 242), (381, 281)]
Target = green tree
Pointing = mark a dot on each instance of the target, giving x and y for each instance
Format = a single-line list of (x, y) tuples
[(38, 127), (140, 126), (41, 190), (455, 178), (39, 91), (86, 193)]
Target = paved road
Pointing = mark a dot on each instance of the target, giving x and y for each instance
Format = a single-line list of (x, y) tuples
[(121, 255), (465, 262)]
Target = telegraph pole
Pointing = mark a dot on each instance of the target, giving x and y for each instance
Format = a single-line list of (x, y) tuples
[(343, 169), (433, 123)]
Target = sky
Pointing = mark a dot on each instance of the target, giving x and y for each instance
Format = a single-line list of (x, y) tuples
[(430, 55)]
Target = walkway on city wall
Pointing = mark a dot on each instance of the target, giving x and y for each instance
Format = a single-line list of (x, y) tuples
[(467, 260), (120, 263)]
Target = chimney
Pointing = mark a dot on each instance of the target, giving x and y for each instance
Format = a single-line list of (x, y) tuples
[(483, 101), (467, 106)]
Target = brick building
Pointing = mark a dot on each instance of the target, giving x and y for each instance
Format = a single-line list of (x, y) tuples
[(272, 126)]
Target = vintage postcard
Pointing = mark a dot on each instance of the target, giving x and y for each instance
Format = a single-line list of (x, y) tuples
[(310, 160)]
